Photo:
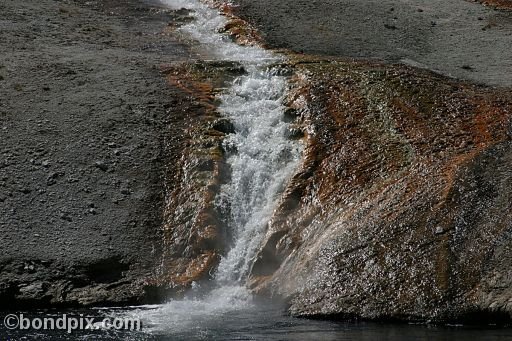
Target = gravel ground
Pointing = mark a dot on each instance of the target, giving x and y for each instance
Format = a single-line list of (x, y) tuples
[(457, 38), (85, 136)]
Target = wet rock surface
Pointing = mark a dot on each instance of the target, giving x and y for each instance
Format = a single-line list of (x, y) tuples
[(88, 125), (194, 236), (402, 208)]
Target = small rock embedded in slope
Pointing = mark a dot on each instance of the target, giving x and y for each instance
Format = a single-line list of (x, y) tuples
[(224, 126), (101, 165), (25, 190), (52, 178), (66, 217), (294, 133), (291, 114)]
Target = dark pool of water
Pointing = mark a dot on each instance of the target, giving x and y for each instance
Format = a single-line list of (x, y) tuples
[(258, 324)]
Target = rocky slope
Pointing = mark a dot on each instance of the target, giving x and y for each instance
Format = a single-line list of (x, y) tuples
[(193, 236), (400, 211), (402, 207), (460, 39), (112, 158), (88, 125)]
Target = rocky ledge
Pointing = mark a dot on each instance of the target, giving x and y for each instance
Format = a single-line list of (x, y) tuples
[(402, 207), (400, 211)]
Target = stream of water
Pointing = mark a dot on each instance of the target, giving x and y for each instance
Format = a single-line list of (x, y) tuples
[(262, 162)]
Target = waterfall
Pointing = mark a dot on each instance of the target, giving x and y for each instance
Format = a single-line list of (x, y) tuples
[(262, 162)]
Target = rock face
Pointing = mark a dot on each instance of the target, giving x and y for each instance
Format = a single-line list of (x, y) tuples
[(402, 209), (193, 235)]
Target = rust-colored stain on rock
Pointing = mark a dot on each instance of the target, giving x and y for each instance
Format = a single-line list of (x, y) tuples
[(503, 4), (395, 189)]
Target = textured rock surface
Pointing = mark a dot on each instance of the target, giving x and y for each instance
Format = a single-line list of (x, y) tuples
[(505, 4), (193, 234), (402, 207)]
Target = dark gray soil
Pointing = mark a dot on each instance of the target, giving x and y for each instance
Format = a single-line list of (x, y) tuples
[(87, 123), (457, 38)]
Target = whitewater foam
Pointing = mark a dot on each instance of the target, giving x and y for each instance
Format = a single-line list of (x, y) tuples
[(262, 162)]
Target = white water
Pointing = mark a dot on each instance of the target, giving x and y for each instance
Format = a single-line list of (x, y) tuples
[(263, 161), (204, 31)]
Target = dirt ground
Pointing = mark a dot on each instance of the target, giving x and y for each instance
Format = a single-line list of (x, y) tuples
[(87, 127), (461, 39)]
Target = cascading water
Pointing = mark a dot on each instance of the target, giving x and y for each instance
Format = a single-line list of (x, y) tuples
[(262, 162)]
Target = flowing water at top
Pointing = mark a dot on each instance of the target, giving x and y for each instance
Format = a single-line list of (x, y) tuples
[(262, 162)]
